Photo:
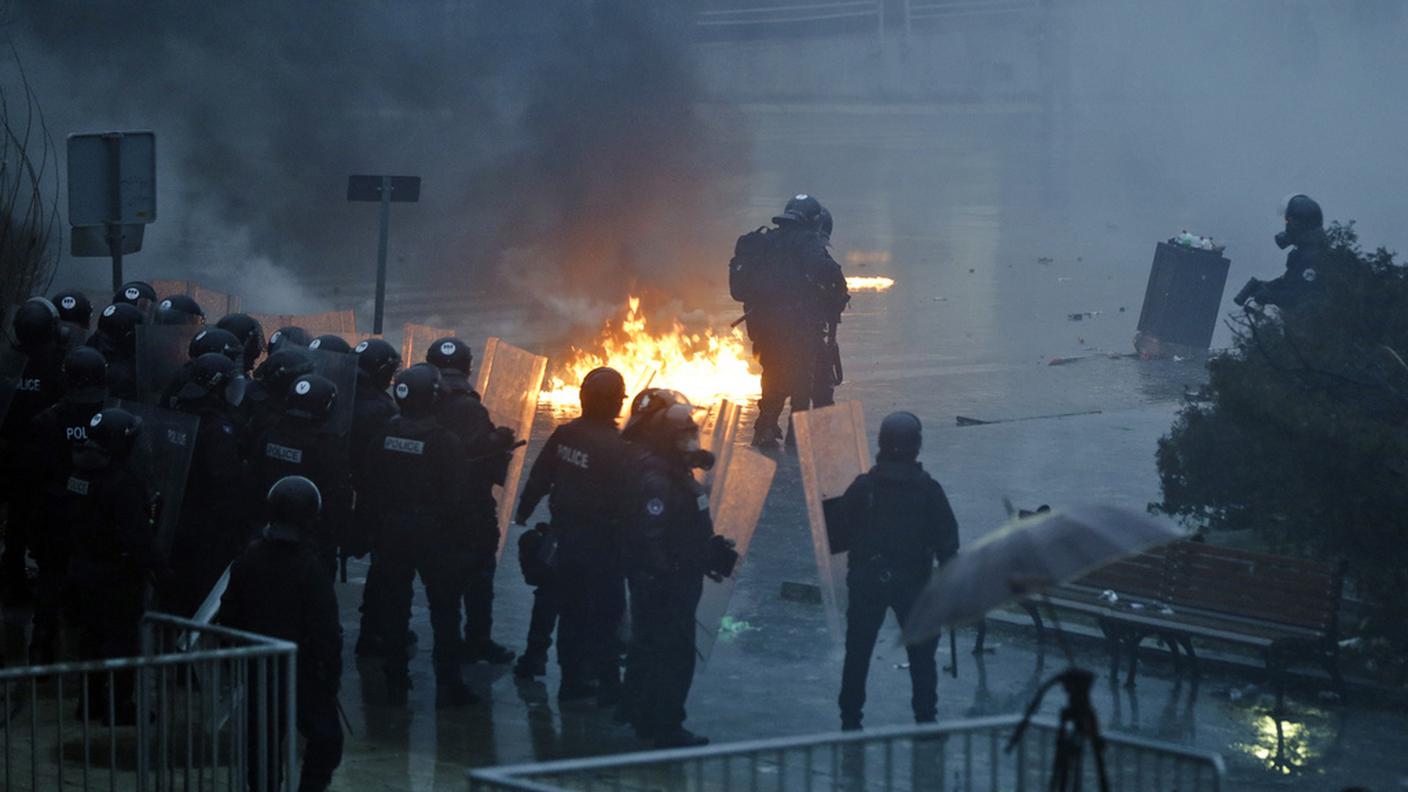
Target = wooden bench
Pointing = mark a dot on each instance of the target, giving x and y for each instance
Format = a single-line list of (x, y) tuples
[(1286, 608)]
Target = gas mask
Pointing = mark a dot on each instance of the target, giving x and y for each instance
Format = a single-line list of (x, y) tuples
[(1283, 239)]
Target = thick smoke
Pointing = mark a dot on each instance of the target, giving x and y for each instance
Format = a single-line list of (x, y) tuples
[(558, 145)]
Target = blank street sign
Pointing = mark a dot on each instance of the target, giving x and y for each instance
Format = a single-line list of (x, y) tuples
[(368, 188), (90, 178)]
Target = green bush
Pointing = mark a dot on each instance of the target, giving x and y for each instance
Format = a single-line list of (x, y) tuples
[(1301, 434)]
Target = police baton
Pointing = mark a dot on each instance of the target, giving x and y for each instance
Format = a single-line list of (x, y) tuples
[(736, 322)]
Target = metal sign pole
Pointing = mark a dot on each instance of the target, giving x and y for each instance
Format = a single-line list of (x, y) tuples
[(113, 143), (381, 254)]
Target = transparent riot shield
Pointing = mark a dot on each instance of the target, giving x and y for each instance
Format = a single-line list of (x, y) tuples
[(340, 323), (161, 351), (163, 458), (509, 381), (736, 501), (12, 363), (832, 450), (215, 304), (341, 368), (415, 341), (717, 431)]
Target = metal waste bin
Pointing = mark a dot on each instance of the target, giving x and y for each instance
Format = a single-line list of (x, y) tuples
[(1183, 297)]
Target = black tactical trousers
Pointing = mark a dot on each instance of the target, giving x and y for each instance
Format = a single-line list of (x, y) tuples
[(441, 571), (317, 720), (788, 370), (592, 604), (869, 599), (823, 378), (660, 661), (543, 622), (478, 591)]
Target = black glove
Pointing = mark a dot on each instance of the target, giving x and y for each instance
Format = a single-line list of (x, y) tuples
[(501, 439), (1248, 292), (701, 459), (722, 558)]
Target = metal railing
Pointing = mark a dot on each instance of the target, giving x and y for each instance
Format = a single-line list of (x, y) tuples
[(202, 707), (955, 755)]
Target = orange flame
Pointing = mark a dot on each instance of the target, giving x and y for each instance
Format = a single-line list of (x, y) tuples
[(873, 283), (704, 366)]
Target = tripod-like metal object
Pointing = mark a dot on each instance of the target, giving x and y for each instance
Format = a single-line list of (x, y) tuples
[(1078, 727)]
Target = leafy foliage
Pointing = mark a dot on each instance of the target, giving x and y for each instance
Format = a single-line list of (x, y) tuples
[(1301, 434)]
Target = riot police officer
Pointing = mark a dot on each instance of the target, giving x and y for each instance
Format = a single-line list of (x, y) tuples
[(415, 490), (668, 547), (1303, 279), (76, 312), (278, 587), (580, 470), (117, 340), (250, 334), (179, 309), (300, 443), (896, 523), (208, 340), (139, 295), (373, 407), (57, 433), (108, 510), (461, 411), (37, 340), (288, 336), (794, 300), (213, 526), (269, 388)]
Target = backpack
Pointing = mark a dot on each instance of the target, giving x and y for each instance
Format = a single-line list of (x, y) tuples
[(748, 270)]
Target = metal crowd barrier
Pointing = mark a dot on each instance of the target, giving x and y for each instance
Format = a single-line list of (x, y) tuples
[(954, 755), (214, 710)]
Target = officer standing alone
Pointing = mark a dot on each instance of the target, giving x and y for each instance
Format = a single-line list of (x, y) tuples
[(279, 587), (897, 523)]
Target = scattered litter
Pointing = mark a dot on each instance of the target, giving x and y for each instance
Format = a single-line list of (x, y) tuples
[(1121, 309), (1165, 610), (1076, 317), (939, 299), (971, 270), (1234, 694), (1080, 340), (1044, 260), (1063, 280), (1179, 358), (1109, 596), (902, 666), (1080, 258), (1186, 239), (801, 592), (1350, 643), (1136, 606), (732, 628)]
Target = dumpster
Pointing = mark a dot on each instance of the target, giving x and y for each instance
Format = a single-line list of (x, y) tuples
[(1182, 300)]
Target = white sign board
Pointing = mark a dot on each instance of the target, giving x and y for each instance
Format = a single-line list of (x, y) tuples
[(104, 190)]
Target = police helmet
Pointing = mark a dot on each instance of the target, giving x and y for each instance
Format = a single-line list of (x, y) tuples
[(85, 376), (36, 323), (281, 368), (417, 389), (74, 307), (658, 415), (138, 294), (1303, 213), (213, 339), (311, 397), (901, 435), (250, 333), (331, 342), (379, 360), (603, 391), (213, 373), (114, 432), (118, 324), (179, 309), (450, 353), (288, 336), (801, 209), (294, 503)]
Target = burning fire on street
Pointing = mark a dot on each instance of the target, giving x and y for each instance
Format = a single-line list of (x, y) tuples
[(705, 366), (869, 283)]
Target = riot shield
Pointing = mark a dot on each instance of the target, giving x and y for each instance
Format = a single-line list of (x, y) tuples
[(832, 449), (341, 368), (717, 432), (415, 341), (342, 323), (12, 363), (736, 501), (163, 459), (215, 304), (161, 351), (509, 381)]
